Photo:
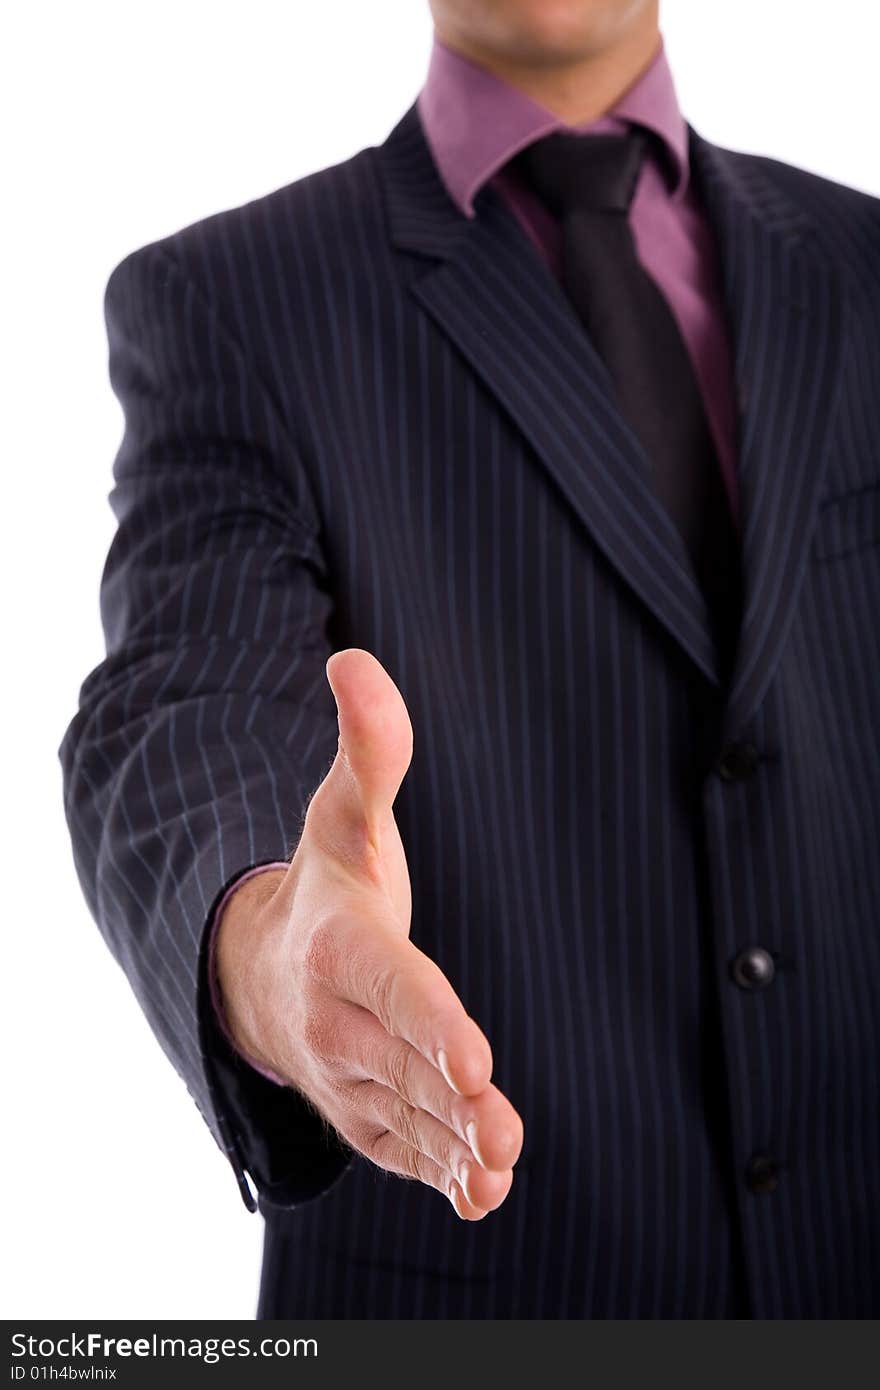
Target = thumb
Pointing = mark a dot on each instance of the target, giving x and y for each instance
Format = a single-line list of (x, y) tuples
[(375, 749)]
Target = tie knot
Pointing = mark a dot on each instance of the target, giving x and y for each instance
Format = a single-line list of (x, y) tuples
[(595, 172)]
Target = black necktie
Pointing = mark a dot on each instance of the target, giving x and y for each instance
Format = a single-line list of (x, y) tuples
[(588, 182)]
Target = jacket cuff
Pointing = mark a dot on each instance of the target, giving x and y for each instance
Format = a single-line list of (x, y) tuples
[(271, 1133)]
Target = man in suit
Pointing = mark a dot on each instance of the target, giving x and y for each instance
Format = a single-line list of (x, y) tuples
[(546, 432)]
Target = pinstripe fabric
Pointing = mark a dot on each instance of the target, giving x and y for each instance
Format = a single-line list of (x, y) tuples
[(354, 417)]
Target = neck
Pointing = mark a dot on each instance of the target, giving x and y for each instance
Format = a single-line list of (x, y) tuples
[(575, 89)]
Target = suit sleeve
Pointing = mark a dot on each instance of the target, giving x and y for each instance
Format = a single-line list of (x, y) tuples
[(200, 737)]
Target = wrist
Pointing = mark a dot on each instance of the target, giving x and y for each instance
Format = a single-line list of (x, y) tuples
[(239, 932)]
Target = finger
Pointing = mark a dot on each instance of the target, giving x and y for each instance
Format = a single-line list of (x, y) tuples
[(352, 807), (487, 1123), (421, 1131), (371, 964), (391, 1152)]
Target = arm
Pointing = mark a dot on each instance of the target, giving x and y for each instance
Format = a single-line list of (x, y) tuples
[(201, 735)]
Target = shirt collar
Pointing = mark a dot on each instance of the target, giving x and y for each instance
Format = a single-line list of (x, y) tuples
[(474, 122)]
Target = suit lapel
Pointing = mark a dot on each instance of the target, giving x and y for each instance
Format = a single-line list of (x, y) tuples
[(786, 308), (490, 292)]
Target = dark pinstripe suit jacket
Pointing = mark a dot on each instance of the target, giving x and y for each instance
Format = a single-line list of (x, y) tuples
[(353, 417)]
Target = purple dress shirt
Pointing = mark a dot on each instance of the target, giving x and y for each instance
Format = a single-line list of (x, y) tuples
[(474, 124)]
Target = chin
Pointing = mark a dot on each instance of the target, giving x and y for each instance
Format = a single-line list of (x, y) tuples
[(549, 30)]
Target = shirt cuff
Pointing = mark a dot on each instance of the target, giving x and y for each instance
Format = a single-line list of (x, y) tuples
[(213, 979)]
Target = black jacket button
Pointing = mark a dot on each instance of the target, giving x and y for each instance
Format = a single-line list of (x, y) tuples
[(753, 968), (737, 762), (762, 1173)]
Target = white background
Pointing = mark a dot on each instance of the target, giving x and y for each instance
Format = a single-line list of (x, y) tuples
[(122, 122)]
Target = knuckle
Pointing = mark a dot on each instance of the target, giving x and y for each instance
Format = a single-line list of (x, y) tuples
[(339, 1090), (382, 985), (363, 1136), (321, 951), (397, 1157), (412, 1163), (343, 836), (320, 1035), (374, 980), (321, 813), (398, 1070), (449, 1151), (456, 1112), (406, 1123), (359, 852), (403, 1159), (374, 1145)]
